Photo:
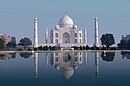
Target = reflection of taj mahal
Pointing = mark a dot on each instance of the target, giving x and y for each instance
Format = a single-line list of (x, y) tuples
[(67, 62)]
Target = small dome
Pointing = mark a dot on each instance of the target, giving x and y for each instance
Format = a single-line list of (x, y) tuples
[(66, 21), (75, 26), (57, 26)]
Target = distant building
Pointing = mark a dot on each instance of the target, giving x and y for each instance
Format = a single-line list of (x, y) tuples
[(7, 38), (126, 38), (124, 43)]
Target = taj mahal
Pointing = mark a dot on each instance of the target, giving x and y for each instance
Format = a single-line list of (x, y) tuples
[(65, 34)]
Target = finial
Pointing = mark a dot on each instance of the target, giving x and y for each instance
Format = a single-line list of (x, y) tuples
[(96, 18), (65, 13)]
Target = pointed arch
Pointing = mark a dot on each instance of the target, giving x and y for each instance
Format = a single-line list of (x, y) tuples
[(66, 38)]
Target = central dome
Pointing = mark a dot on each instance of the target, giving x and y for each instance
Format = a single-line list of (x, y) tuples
[(66, 21)]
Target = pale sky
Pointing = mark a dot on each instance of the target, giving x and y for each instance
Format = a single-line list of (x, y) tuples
[(16, 16)]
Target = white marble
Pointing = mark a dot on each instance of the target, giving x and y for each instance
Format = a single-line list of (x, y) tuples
[(67, 33)]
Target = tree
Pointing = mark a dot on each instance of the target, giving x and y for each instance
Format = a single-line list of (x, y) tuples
[(80, 47), (2, 43), (12, 43), (40, 48), (87, 47), (107, 40), (25, 42), (95, 48), (124, 44), (50, 47)]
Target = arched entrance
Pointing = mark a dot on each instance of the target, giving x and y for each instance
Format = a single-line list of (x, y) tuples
[(66, 38)]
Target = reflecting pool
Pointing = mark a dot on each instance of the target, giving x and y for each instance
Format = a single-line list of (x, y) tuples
[(84, 68)]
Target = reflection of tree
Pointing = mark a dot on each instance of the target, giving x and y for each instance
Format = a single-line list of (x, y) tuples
[(125, 55), (107, 56), (4, 56), (25, 55), (13, 55)]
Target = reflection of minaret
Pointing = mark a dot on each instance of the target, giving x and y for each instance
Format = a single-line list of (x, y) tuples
[(35, 33), (97, 63), (46, 59), (86, 58), (46, 35), (96, 43), (36, 64)]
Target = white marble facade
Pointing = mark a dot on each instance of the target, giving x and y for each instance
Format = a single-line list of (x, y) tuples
[(67, 34)]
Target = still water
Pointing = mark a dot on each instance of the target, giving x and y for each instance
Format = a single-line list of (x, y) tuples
[(65, 69)]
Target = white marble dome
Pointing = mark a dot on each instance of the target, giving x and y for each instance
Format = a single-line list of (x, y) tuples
[(66, 21)]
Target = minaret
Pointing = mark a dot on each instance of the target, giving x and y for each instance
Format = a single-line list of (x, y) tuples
[(85, 36), (35, 33), (96, 32), (46, 35)]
